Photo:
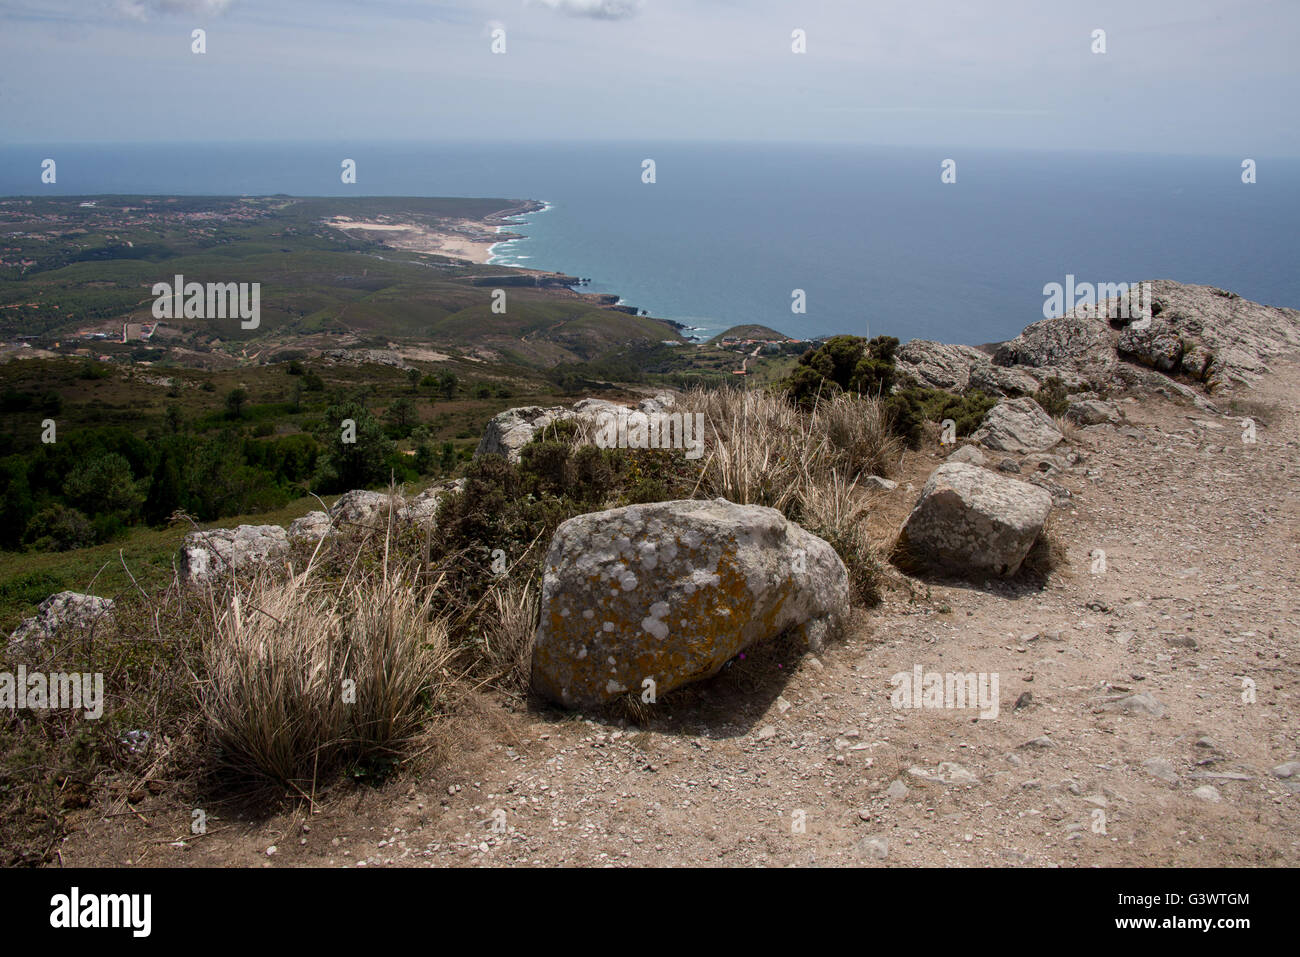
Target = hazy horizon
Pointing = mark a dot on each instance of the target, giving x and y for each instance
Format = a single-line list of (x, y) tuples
[(1021, 76)]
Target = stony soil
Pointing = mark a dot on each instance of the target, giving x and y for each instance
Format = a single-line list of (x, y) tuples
[(786, 759)]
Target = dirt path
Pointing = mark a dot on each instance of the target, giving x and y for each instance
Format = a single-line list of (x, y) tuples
[(787, 760)]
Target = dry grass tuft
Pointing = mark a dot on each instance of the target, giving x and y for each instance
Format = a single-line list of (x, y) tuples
[(300, 675)]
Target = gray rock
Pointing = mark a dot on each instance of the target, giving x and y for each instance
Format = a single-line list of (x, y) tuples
[(1093, 412), (879, 484), (1290, 769), (1074, 342), (875, 847), (509, 431), (1162, 770), (897, 791), (973, 522), (63, 612), (312, 527), (422, 511), (363, 509), (672, 591), (1010, 466), (1208, 792), (969, 454), (1018, 426), (207, 556)]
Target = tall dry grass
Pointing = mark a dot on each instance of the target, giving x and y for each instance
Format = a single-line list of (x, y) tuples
[(762, 450), (300, 675)]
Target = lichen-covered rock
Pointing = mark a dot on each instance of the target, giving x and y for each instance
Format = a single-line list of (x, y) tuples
[(509, 431), (210, 555), (1019, 426), (669, 592), (312, 527), (360, 508), (972, 522), (65, 611), (422, 511)]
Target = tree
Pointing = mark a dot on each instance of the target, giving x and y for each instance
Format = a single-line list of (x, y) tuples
[(105, 486), (359, 463), (173, 419), (235, 400), (413, 377), (447, 383), (401, 414)]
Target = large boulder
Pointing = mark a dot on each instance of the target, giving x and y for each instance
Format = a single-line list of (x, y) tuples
[(672, 591), (972, 522), (363, 508), (1017, 426), (66, 611), (213, 554)]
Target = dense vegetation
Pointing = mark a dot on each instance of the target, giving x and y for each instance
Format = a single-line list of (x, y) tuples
[(851, 364)]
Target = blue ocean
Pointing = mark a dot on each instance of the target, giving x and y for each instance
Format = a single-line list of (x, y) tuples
[(727, 232)]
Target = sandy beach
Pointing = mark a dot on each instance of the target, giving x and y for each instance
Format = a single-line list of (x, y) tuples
[(465, 239)]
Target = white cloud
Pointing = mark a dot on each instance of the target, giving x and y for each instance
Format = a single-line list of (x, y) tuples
[(142, 9), (595, 9)]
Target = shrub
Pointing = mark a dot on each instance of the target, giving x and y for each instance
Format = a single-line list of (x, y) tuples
[(1053, 397)]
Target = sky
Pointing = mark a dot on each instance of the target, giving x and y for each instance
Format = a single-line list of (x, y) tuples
[(1177, 76)]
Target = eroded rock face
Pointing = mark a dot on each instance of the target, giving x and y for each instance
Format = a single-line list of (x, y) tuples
[(1018, 426), (207, 556), (65, 611), (1202, 333), (959, 368), (972, 522), (671, 591)]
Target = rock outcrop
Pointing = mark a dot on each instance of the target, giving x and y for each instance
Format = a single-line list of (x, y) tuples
[(960, 368), (1199, 333), (210, 555), (509, 431), (360, 508), (1018, 426), (65, 611), (667, 593), (972, 522)]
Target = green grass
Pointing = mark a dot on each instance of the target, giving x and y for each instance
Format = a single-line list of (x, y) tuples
[(28, 578)]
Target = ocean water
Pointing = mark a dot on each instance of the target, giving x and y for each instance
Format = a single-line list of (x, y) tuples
[(875, 240)]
